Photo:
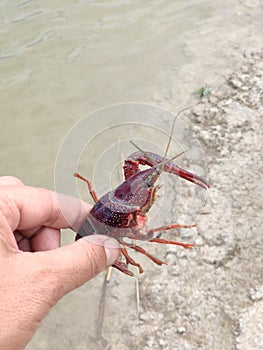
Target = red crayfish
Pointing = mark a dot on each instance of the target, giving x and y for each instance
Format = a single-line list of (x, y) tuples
[(121, 213)]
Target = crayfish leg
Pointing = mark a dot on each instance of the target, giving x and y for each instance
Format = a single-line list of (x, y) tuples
[(168, 227), (123, 268), (166, 241), (129, 260), (89, 184), (144, 252)]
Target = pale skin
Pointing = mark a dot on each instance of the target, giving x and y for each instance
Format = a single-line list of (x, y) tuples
[(35, 272)]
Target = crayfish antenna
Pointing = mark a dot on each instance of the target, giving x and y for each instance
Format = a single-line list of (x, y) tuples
[(170, 138), (177, 156), (161, 165), (145, 153), (182, 173)]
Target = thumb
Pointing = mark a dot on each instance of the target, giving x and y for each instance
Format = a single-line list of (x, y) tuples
[(75, 264)]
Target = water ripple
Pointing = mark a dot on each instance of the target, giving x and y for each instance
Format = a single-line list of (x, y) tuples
[(41, 37), (26, 16), (25, 3)]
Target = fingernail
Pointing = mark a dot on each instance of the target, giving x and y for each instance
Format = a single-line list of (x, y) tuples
[(112, 250)]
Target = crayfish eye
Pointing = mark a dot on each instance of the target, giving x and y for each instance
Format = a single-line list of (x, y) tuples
[(149, 183)]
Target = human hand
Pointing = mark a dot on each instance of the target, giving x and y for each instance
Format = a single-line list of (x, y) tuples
[(35, 272)]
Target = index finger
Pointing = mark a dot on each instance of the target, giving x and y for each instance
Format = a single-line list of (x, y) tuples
[(27, 207)]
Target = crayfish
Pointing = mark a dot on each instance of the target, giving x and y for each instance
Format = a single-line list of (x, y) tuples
[(122, 212)]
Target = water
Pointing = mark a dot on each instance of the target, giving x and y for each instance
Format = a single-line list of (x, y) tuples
[(60, 61)]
